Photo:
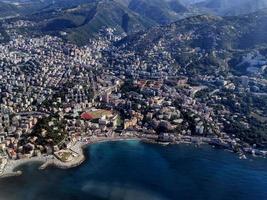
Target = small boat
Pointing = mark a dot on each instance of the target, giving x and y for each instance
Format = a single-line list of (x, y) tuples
[(164, 143)]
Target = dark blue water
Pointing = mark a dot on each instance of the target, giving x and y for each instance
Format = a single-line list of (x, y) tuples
[(138, 171)]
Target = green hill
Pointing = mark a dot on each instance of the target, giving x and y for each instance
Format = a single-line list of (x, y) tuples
[(160, 11), (79, 20), (84, 21)]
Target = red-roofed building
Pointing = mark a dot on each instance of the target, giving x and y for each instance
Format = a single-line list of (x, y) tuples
[(87, 116)]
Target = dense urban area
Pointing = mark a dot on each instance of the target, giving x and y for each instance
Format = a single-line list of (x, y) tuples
[(56, 95)]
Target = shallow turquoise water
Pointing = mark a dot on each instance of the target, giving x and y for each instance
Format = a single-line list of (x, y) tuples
[(134, 170)]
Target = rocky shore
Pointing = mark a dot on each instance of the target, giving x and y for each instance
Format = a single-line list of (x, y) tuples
[(46, 161), (10, 167), (78, 148)]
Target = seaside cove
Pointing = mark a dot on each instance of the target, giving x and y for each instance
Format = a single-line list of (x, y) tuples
[(136, 170)]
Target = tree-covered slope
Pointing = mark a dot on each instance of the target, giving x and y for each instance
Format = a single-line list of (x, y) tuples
[(160, 11), (85, 20)]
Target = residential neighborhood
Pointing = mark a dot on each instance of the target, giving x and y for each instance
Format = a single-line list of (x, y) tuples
[(54, 94)]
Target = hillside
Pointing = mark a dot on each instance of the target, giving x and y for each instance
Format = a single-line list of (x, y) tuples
[(84, 21), (207, 32), (10, 8), (79, 20), (160, 11), (206, 43)]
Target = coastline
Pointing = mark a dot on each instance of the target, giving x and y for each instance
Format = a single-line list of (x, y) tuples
[(46, 161), (9, 169), (78, 148)]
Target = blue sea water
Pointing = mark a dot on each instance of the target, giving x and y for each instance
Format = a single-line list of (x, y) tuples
[(132, 170)]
